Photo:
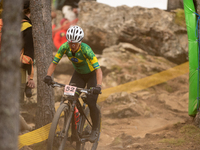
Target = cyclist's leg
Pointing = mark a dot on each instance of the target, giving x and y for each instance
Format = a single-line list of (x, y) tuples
[(80, 80), (92, 100), (94, 111)]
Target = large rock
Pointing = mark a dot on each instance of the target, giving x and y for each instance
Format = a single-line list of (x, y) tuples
[(152, 30), (156, 32), (125, 62), (174, 4)]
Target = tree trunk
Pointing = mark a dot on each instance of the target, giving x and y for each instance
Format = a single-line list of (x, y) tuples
[(1, 8), (10, 75), (197, 7), (40, 16)]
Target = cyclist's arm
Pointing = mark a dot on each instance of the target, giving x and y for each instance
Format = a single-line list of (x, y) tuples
[(51, 69), (99, 76), (56, 59)]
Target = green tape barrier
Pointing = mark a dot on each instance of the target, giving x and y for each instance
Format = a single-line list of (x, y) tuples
[(191, 22)]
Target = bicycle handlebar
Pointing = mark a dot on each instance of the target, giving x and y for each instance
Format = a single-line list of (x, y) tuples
[(56, 84), (82, 90)]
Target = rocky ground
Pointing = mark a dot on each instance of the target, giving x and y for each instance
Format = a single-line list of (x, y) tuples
[(153, 118)]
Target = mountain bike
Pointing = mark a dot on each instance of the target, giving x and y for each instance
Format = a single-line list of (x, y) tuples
[(71, 125)]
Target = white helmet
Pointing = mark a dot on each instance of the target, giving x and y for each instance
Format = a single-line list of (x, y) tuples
[(75, 34)]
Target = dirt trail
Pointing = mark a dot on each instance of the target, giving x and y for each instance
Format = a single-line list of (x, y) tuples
[(160, 108), (154, 118)]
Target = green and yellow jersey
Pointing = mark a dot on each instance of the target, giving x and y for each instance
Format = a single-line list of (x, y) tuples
[(84, 60)]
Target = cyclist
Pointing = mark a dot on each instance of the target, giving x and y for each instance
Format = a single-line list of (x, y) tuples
[(87, 70)]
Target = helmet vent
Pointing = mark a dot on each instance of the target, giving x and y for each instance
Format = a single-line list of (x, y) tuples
[(75, 34)]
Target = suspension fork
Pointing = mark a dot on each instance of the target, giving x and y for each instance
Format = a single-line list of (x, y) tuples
[(71, 110)]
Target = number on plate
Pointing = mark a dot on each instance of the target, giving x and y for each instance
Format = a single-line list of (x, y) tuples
[(69, 90)]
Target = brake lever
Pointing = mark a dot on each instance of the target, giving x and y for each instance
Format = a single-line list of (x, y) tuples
[(92, 91)]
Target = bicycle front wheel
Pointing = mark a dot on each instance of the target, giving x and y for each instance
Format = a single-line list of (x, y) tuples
[(59, 128)]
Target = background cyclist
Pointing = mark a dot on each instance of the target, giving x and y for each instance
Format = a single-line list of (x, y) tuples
[(87, 70)]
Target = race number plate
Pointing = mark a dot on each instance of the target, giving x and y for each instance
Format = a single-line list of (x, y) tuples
[(69, 90)]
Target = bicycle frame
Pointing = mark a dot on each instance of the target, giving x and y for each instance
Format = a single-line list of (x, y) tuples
[(72, 102)]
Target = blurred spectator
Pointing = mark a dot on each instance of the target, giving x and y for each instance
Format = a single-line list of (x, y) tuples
[(69, 12), (55, 29), (69, 8), (71, 23), (27, 54), (53, 15), (60, 36)]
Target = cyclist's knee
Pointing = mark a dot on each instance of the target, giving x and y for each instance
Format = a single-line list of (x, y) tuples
[(91, 101), (92, 104)]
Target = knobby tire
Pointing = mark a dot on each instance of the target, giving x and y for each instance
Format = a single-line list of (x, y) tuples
[(53, 138)]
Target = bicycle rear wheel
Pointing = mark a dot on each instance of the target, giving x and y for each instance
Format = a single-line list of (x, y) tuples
[(85, 129), (58, 133)]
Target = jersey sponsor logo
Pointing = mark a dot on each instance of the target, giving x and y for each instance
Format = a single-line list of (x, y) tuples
[(74, 59)]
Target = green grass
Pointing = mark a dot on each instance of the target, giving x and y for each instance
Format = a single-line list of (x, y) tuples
[(180, 17), (117, 141), (167, 87), (173, 141), (189, 134), (191, 131)]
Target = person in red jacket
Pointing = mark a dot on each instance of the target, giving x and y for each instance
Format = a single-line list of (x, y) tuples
[(60, 36)]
